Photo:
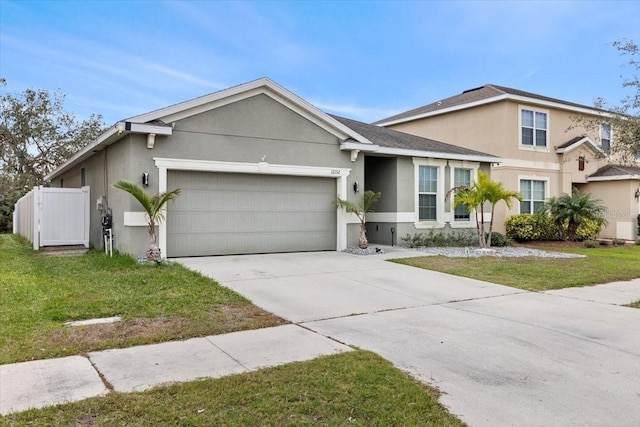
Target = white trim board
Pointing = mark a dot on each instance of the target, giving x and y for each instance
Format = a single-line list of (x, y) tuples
[(527, 164)]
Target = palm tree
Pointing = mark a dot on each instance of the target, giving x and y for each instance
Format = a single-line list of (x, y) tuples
[(361, 209), (482, 191), (569, 210), (153, 206)]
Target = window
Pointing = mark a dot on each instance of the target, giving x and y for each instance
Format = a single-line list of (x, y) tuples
[(605, 137), (533, 126), (461, 177), (533, 195), (427, 193)]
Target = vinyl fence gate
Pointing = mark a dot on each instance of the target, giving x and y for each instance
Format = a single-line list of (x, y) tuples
[(53, 216)]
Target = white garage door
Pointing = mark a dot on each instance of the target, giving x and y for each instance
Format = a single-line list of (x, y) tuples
[(234, 213)]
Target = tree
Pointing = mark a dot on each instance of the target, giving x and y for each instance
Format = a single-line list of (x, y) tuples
[(361, 209), (624, 118), (36, 136), (483, 190), (569, 210), (153, 206)]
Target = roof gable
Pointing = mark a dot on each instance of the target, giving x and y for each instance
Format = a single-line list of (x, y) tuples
[(578, 141), (148, 123), (263, 86), (482, 95)]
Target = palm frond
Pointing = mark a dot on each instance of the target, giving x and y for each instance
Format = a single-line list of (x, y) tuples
[(138, 193)]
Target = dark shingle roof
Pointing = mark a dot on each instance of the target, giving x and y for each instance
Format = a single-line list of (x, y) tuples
[(616, 170), (473, 95), (394, 139), (571, 142)]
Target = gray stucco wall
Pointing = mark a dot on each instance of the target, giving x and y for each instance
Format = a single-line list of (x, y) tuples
[(381, 176), (243, 131), (396, 179)]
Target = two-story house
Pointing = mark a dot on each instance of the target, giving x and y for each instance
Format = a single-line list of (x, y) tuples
[(545, 152)]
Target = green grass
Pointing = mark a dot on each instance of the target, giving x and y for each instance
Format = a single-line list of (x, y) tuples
[(350, 389), (602, 265), (157, 302), (635, 304)]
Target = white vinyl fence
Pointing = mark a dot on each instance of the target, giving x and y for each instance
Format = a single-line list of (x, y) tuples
[(53, 216)]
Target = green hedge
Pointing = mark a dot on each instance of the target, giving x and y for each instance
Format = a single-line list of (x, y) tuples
[(526, 227)]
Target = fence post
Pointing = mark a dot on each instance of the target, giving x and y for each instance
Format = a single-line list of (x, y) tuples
[(86, 203), (37, 201)]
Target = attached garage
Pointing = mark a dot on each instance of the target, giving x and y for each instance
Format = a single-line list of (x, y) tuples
[(220, 213)]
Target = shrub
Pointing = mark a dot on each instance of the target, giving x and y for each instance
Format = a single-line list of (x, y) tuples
[(590, 243), (604, 242), (588, 230), (619, 242), (432, 238), (497, 239), (526, 227)]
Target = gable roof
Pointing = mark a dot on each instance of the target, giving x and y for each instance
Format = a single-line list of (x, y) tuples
[(615, 173), (576, 142), (156, 122), (485, 94), (388, 141)]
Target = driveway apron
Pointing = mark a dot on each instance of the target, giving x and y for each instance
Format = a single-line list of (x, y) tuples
[(501, 356)]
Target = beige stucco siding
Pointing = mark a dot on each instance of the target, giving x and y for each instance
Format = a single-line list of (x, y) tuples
[(495, 129), (622, 207)]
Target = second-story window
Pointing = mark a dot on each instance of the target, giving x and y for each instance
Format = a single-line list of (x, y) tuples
[(533, 127), (605, 137)]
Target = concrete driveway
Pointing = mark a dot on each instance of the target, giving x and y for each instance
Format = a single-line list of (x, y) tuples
[(501, 356)]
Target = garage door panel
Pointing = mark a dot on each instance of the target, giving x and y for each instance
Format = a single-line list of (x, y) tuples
[(229, 213)]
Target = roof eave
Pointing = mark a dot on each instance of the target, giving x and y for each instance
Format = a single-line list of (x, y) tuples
[(614, 178), (418, 153), (106, 138), (111, 135), (511, 97)]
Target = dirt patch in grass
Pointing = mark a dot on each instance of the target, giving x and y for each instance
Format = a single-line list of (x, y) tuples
[(138, 331)]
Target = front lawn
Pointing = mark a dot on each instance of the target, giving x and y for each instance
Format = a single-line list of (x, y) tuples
[(157, 302), (602, 265), (357, 388)]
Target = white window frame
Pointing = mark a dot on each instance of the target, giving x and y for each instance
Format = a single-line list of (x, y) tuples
[(533, 178), (440, 165), (533, 147), (474, 167), (601, 132)]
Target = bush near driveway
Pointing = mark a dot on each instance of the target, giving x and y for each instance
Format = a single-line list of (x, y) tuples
[(158, 302), (537, 227)]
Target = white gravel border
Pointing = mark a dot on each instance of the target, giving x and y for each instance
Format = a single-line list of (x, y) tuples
[(503, 252)]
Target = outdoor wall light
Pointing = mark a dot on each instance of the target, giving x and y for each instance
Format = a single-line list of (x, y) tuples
[(356, 188), (145, 179), (637, 195)]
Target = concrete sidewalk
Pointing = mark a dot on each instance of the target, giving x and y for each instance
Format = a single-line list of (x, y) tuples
[(48, 382)]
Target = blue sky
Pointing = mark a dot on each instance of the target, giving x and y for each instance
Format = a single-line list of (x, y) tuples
[(362, 59)]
